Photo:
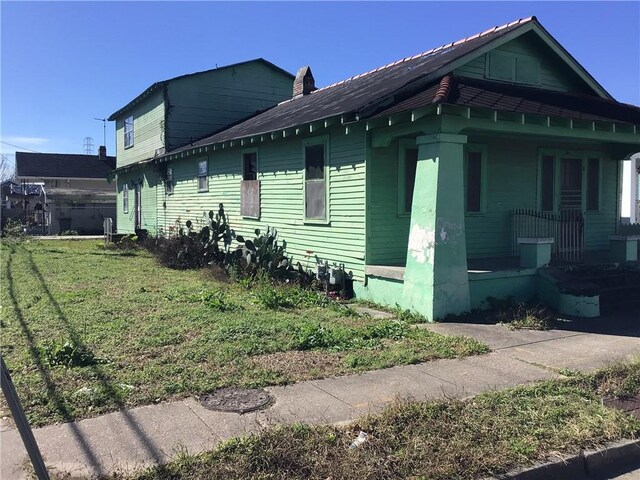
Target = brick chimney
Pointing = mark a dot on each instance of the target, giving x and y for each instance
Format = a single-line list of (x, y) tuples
[(102, 152), (304, 83)]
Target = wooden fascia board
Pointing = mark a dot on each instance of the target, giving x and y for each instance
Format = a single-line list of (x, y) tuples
[(458, 124)]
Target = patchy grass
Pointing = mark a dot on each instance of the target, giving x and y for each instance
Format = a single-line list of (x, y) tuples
[(439, 440), (87, 330), (524, 316)]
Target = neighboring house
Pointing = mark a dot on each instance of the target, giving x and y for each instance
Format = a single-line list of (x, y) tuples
[(78, 195), (420, 176)]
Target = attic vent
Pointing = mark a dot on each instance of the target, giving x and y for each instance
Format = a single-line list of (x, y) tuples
[(304, 83)]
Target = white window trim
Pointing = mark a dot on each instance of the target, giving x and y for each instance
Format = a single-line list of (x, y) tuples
[(125, 132), (320, 140), (125, 198), (205, 176)]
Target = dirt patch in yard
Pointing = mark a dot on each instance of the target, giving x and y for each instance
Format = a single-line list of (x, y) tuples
[(302, 365)]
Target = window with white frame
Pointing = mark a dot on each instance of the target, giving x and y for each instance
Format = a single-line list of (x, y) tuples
[(168, 182), (128, 132), (203, 176), (125, 198), (315, 179)]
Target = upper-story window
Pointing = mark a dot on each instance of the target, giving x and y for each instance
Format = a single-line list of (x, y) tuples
[(128, 132), (203, 176)]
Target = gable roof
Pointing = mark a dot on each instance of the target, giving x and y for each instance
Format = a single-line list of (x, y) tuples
[(64, 165), (362, 96), (161, 84)]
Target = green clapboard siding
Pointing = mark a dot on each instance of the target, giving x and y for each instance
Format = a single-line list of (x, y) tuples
[(512, 176), (206, 102), (388, 232), (125, 222), (554, 73), (342, 240), (148, 121)]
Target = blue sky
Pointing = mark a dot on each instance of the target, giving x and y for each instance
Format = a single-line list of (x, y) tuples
[(64, 63)]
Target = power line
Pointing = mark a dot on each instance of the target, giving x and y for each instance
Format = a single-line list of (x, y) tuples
[(18, 146)]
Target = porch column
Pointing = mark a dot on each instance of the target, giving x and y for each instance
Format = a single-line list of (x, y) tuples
[(436, 281)]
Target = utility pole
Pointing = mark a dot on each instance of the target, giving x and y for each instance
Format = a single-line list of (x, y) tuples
[(22, 423)]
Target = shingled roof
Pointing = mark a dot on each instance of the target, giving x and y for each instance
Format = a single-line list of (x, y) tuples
[(63, 165), (361, 93)]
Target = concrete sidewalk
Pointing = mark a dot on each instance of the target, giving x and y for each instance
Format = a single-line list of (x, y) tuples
[(148, 435)]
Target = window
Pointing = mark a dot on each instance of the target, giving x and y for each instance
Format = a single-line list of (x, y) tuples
[(125, 198), (168, 183), (407, 163), (315, 181), (474, 179), (203, 176), (250, 186), (128, 132), (547, 181), (593, 184), (250, 166)]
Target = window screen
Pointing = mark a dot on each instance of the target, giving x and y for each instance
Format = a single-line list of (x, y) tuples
[(410, 164), (203, 176), (128, 131), (474, 181), (315, 185), (546, 183), (593, 184), (125, 198), (168, 184)]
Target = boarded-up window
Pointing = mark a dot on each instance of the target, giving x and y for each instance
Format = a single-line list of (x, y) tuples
[(128, 132), (410, 164), (593, 184), (315, 182), (474, 181), (547, 176), (125, 198), (203, 176), (168, 183), (250, 186)]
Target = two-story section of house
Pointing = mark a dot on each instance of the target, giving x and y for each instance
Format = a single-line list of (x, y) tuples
[(175, 113)]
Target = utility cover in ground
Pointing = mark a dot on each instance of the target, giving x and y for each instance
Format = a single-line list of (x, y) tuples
[(232, 399)]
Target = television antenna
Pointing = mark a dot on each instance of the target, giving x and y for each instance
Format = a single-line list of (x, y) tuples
[(88, 146), (104, 130)]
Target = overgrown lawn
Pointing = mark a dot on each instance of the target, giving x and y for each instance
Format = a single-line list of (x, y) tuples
[(87, 330)]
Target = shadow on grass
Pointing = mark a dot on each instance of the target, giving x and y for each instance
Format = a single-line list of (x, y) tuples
[(111, 391), (52, 390)]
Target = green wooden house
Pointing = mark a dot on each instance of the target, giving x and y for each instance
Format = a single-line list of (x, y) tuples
[(438, 181)]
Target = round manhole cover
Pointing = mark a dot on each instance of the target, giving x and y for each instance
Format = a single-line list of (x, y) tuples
[(233, 399)]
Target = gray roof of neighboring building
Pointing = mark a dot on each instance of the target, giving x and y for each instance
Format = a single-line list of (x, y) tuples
[(63, 165)]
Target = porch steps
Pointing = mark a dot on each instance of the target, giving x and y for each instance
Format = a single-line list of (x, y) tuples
[(617, 287)]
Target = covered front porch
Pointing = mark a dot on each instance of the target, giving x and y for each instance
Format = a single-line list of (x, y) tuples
[(450, 213)]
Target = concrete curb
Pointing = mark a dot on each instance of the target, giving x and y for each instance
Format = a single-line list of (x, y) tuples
[(614, 459)]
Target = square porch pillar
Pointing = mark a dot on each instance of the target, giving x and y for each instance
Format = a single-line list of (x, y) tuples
[(436, 280), (623, 248)]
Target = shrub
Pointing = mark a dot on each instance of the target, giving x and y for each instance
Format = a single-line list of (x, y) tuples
[(14, 229), (67, 354)]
